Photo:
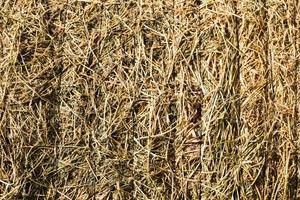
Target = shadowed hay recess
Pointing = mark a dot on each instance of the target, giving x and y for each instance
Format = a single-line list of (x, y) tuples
[(149, 99)]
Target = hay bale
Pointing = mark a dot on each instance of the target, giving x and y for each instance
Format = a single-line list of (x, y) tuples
[(149, 99)]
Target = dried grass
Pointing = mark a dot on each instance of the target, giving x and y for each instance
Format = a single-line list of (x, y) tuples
[(149, 99)]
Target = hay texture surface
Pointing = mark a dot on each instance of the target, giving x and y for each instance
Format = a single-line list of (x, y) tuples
[(149, 99)]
